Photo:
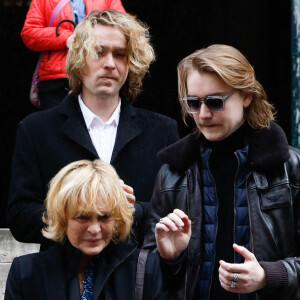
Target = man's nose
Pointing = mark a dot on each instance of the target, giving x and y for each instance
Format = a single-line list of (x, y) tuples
[(204, 111), (109, 61)]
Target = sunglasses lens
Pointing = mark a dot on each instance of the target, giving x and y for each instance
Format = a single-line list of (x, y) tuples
[(215, 104), (193, 105)]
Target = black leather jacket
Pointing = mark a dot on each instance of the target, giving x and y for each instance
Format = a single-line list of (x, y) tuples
[(273, 195)]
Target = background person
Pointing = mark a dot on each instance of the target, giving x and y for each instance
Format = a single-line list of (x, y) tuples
[(109, 55), (234, 185), (37, 36), (88, 217)]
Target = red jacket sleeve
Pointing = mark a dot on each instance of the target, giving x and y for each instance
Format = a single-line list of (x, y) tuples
[(37, 35), (116, 4)]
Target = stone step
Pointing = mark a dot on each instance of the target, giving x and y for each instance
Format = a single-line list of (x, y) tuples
[(4, 269), (9, 249)]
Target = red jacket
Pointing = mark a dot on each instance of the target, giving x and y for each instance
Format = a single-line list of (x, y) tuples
[(37, 36)]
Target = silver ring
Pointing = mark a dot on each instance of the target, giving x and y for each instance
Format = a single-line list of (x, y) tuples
[(235, 277), (233, 284), (161, 221)]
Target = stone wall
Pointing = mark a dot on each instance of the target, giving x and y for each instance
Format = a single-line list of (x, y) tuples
[(9, 249)]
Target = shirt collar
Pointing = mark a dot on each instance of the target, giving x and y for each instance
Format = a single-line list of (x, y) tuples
[(89, 116)]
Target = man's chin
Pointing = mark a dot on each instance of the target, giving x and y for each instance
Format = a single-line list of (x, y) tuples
[(213, 136), (106, 93)]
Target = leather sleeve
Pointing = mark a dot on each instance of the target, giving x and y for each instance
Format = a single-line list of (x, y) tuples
[(170, 192), (277, 284), (156, 210), (153, 283), (292, 264)]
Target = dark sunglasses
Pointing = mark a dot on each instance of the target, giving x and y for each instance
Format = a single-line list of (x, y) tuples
[(213, 103)]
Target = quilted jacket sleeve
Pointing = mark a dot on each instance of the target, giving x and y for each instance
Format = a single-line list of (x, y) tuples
[(116, 4), (36, 34)]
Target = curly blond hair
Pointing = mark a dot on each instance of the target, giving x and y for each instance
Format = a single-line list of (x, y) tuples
[(83, 43), (80, 188), (235, 70)]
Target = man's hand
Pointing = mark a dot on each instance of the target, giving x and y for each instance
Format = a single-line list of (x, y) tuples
[(69, 41), (242, 278), (128, 190), (173, 234)]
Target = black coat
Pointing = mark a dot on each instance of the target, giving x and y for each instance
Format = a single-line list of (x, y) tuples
[(49, 140), (273, 195), (44, 275)]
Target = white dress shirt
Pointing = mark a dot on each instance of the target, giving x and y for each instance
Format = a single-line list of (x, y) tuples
[(103, 135)]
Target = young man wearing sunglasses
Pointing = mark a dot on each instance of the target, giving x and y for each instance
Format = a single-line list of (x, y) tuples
[(225, 212)]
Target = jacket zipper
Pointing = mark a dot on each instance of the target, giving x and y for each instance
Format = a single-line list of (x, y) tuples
[(215, 238), (188, 176), (250, 224), (234, 210)]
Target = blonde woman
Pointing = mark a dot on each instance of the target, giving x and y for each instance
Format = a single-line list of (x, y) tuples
[(89, 218)]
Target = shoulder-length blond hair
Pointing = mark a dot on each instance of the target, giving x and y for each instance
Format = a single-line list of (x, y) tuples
[(81, 188), (140, 53), (235, 70)]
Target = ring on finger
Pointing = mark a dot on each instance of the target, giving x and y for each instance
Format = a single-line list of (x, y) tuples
[(235, 277), (161, 221), (233, 284)]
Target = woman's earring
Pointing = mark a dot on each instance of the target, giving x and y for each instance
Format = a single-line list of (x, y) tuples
[(116, 234)]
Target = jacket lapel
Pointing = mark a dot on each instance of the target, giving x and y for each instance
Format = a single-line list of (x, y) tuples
[(74, 127), (128, 128), (108, 261)]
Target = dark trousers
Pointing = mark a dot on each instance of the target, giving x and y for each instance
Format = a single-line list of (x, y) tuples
[(52, 92)]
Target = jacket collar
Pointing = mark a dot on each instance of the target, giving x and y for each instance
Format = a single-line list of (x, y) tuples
[(268, 149), (108, 260), (128, 128), (66, 256), (75, 127)]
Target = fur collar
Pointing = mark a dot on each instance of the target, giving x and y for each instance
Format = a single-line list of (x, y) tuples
[(268, 149)]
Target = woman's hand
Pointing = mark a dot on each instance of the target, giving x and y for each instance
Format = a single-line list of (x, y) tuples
[(242, 278), (173, 234), (128, 190)]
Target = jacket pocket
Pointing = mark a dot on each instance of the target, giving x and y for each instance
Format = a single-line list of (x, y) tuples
[(276, 197)]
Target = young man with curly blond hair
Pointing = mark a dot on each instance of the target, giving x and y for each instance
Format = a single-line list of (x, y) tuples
[(109, 54)]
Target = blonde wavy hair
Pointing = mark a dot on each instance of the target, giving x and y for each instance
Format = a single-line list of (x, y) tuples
[(235, 70), (83, 43), (82, 188)]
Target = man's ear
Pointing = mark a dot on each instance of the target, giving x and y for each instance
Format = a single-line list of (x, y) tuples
[(247, 98)]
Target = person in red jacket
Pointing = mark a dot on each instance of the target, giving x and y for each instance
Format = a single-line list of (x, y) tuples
[(37, 36)]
